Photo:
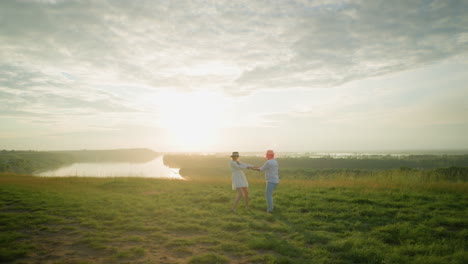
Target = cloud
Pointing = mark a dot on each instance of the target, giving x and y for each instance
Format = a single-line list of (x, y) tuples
[(285, 44), (355, 40), (112, 59)]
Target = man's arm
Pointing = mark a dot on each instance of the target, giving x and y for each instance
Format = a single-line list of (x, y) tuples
[(265, 166)]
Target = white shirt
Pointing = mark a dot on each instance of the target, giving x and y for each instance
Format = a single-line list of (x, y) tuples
[(271, 168)]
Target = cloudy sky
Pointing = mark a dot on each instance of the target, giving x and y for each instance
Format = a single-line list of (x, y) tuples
[(234, 75)]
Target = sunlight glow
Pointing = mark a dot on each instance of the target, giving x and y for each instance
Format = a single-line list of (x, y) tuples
[(193, 120)]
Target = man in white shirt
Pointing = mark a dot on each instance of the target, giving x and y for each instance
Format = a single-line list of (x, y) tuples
[(271, 176)]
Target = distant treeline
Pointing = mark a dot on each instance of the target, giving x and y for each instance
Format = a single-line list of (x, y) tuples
[(28, 162), (403, 173), (421, 167), (369, 163), (378, 163)]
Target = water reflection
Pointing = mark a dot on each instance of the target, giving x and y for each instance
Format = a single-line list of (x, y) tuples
[(152, 169)]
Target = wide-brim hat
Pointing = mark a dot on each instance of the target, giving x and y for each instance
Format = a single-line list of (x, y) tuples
[(235, 154)]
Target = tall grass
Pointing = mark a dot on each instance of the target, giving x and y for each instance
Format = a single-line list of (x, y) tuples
[(136, 220)]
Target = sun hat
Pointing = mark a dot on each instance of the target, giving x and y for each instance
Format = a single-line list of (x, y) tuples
[(235, 154)]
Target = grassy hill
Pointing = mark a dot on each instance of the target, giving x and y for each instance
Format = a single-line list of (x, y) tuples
[(136, 220), (322, 215)]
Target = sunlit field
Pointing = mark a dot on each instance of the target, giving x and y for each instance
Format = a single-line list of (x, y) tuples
[(120, 121), (137, 220)]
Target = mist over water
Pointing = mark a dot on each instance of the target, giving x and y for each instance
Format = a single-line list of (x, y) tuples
[(152, 169)]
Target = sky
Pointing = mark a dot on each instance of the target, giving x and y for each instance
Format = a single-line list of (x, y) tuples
[(229, 75)]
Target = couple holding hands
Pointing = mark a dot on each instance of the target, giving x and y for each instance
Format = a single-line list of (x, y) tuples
[(239, 181)]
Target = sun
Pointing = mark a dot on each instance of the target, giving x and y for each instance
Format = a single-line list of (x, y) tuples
[(193, 120)]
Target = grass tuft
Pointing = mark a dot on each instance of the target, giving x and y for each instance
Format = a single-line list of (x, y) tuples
[(209, 258)]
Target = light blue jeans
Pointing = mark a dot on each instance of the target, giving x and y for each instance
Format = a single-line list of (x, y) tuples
[(270, 187)]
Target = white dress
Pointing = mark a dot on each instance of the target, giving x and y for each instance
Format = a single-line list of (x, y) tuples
[(238, 176)]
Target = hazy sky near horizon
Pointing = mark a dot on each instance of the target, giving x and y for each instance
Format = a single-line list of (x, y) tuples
[(234, 75)]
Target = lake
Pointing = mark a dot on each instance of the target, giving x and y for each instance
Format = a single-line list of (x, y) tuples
[(152, 169)]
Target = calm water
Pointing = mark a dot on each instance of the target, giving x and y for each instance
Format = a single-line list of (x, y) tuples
[(152, 169)]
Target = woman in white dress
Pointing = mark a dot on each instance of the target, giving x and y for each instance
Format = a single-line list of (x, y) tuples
[(239, 182)]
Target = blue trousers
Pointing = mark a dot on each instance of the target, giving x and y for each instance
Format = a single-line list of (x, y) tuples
[(270, 187)]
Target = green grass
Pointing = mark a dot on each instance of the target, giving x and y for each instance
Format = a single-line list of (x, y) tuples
[(136, 220)]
